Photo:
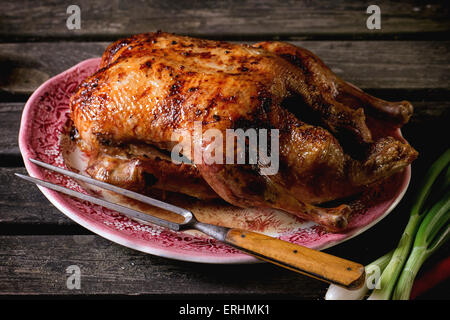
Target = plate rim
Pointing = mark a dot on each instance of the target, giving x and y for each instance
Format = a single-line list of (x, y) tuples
[(166, 253)]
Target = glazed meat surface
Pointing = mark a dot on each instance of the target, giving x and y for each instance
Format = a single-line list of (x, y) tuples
[(334, 140)]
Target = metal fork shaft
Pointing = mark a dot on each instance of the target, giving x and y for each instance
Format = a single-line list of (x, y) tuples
[(110, 205), (128, 193)]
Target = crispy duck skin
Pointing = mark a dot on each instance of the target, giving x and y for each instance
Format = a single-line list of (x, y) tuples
[(139, 173), (153, 85), (332, 88)]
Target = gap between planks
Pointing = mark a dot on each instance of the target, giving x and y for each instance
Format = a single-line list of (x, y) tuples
[(230, 19), (388, 68)]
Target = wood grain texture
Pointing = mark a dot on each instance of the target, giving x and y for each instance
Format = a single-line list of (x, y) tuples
[(318, 265), (400, 65), (106, 19), (22, 204), (10, 114), (26, 66), (32, 265)]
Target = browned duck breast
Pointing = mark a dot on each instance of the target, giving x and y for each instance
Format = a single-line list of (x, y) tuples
[(334, 139)]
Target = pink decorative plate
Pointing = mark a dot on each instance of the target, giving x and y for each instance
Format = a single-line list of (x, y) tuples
[(43, 136)]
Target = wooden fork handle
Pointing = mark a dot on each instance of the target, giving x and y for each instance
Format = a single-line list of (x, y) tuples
[(313, 263)]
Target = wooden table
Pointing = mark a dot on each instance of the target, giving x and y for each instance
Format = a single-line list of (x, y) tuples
[(407, 59)]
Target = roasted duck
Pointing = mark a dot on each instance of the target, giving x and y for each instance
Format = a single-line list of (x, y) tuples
[(334, 139)]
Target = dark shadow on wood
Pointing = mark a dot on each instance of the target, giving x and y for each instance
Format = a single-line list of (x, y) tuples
[(417, 36)]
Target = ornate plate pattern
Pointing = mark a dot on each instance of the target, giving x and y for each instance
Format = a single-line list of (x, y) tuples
[(43, 136)]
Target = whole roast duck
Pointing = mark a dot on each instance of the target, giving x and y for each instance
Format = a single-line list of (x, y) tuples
[(334, 140)]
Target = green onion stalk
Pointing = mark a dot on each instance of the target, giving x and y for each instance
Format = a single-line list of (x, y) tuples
[(433, 232), (424, 245)]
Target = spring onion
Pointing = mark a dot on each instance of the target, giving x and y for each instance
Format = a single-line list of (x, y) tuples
[(424, 245), (390, 275), (427, 229)]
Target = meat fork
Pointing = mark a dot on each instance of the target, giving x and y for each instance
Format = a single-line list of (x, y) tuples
[(313, 263)]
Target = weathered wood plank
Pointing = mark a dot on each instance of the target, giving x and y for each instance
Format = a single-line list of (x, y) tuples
[(22, 19), (10, 114), (26, 66), (22, 203), (37, 265), (372, 65)]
